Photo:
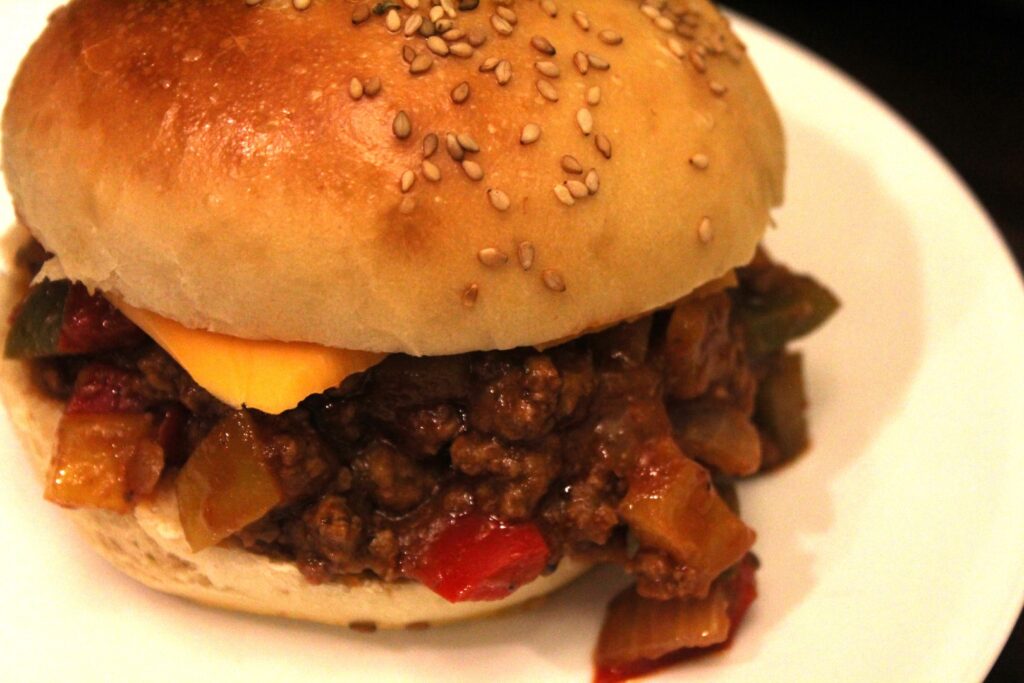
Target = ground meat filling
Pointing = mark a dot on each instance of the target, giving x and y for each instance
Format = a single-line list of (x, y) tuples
[(548, 437)]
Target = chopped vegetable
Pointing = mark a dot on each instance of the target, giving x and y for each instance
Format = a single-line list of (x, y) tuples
[(102, 388), (104, 461), (671, 505), (720, 436), (640, 635), (638, 628), (35, 325), (699, 346), (226, 484), (780, 409), (172, 419), (478, 558), (776, 306), (61, 318)]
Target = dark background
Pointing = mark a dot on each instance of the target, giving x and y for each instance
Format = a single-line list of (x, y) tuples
[(956, 72)]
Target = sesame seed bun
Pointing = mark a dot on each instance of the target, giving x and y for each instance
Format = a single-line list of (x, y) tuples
[(241, 168), (149, 545)]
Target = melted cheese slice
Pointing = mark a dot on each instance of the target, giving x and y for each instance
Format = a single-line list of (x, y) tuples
[(271, 376)]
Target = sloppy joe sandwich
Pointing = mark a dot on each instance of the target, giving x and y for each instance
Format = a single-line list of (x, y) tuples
[(399, 313)]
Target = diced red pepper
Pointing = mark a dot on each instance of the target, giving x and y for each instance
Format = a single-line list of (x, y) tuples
[(104, 389), (478, 558), (91, 323), (172, 420)]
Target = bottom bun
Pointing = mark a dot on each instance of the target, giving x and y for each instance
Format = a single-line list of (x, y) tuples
[(149, 546)]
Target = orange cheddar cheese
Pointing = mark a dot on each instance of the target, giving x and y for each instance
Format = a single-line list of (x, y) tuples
[(270, 376)]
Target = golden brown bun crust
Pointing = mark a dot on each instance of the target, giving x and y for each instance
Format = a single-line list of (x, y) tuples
[(205, 160), (149, 546)]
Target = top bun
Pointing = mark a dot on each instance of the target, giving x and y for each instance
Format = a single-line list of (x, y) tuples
[(215, 162)]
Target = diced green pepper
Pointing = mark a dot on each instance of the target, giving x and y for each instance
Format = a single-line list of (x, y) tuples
[(35, 329), (791, 307), (781, 403)]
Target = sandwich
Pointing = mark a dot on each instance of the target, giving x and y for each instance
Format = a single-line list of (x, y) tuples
[(394, 314)]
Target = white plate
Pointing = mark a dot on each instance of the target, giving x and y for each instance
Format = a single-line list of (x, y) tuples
[(894, 551)]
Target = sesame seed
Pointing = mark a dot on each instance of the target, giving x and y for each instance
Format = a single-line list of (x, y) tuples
[(455, 150), (499, 200), (698, 62), (372, 87), (543, 45), (408, 54), (407, 206), (468, 5), (429, 145), (449, 8), (581, 20), (564, 196), (581, 62), (421, 64), (549, 7), (553, 280), (577, 189), (402, 126), (650, 11), (503, 72), (437, 45), (252, 3), (301, 4), (717, 88), (360, 14), (407, 180), (609, 37), (355, 89), (453, 35), (571, 165), (585, 120), (430, 171), (676, 47), (664, 23), (428, 28), (462, 50), (467, 143), (492, 257), (530, 134), (604, 145), (594, 96), (598, 62), (443, 25), (704, 231), (547, 91), (507, 14), (460, 93), (413, 24), (489, 64), (526, 254), (477, 38), (501, 25), (473, 170), (412, 4), (470, 295), (549, 69), (699, 161), (592, 181), (393, 21), (436, 13)]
